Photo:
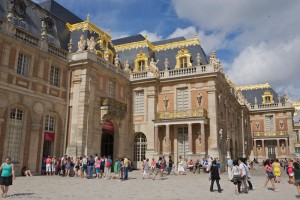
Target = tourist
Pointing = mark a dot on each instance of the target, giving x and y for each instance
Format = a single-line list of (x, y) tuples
[(153, 163), (77, 167), (117, 169), (97, 167), (197, 167), (269, 175), (158, 168), (84, 167), (126, 167), (90, 165), (26, 172), (215, 176), (68, 166), (170, 165), (191, 165), (107, 169), (145, 168), (229, 168), (290, 172), (276, 170), (48, 162), (7, 176), (248, 174), (236, 176), (53, 165), (296, 171), (181, 169), (243, 175), (122, 168)]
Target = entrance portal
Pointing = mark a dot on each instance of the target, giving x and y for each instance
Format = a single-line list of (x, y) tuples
[(107, 144)]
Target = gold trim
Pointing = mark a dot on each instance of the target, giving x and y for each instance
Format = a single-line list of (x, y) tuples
[(254, 87), (183, 53), (162, 47), (140, 57), (88, 26), (267, 94), (232, 84), (270, 134)]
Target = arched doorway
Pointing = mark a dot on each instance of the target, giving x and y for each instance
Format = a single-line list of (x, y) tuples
[(139, 151), (107, 142)]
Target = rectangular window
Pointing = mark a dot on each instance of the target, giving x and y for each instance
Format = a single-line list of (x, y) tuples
[(112, 89), (23, 64), (182, 99), (183, 62), (49, 123), (297, 150), (54, 76), (139, 102), (141, 65), (269, 123)]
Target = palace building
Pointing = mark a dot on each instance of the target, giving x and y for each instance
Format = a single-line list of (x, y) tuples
[(67, 87)]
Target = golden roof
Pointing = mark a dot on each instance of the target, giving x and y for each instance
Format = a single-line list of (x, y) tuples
[(254, 87)]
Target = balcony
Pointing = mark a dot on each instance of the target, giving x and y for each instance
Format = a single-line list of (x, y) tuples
[(271, 106), (174, 72), (181, 114), (271, 134)]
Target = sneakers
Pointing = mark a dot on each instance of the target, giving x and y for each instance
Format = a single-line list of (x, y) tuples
[(276, 190)]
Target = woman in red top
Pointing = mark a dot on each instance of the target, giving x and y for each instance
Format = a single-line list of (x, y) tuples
[(269, 175)]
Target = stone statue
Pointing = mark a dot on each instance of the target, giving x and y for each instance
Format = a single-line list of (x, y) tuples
[(166, 102), (81, 44), (91, 44), (117, 61), (279, 99), (255, 101), (221, 134), (198, 58), (106, 55), (127, 67), (199, 99), (153, 68), (286, 98), (166, 64)]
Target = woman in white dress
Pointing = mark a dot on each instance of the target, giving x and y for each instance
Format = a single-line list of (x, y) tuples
[(180, 166)]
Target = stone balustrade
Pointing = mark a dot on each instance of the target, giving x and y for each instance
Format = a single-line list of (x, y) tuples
[(94, 57), (57, 51), (29, 39), (271, 134), (174, 72), (181, 114), (271, 105)]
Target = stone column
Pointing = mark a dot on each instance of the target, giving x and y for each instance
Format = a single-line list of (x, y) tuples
[(287, 147), (263, 147), (190, 139), (168, 145), (2, 137), (33, 147), (277, 148), (213, 125), (203, 140), (156, 147)]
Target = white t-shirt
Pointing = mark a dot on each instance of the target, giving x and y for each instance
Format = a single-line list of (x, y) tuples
[(235, 170), (243, 168)]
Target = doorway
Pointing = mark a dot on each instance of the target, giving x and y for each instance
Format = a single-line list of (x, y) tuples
[(107, 144), (183, 145)]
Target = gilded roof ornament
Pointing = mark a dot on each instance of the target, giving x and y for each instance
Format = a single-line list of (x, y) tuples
[(254, 87), (88, 17)]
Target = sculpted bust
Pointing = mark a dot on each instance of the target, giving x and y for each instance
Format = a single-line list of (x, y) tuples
[(91, 44)]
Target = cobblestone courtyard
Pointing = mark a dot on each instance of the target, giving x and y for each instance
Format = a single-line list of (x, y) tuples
[(190, 186)]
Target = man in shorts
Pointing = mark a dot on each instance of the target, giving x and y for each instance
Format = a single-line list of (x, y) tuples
[(48, 165)]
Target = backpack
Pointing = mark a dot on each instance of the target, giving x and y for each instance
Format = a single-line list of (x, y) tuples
[(108, 164), (157, 165)]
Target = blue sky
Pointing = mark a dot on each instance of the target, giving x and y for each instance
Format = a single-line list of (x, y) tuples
[(257, 41)]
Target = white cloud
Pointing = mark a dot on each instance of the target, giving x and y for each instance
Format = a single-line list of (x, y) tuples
[(263, 34), (152, 37), (188, 32)]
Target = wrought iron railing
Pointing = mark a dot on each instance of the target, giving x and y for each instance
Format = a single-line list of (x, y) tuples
[(271, 134), (181, 114)]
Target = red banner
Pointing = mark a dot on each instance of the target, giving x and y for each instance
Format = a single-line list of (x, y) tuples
[(108, 126), (49, 136)]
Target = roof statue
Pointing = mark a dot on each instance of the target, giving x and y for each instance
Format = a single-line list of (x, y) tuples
[(91, 44), (106, 55), (127, 67), (166, 63), (198, 58), (81, 44), (153, 68)]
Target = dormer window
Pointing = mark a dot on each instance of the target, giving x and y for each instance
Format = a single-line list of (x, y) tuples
[(183, 62), (141, 65), (183, 59), (140, 62), (267, 97)]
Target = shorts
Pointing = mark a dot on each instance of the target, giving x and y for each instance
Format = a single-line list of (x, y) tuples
[(48, 168), (291, 174), (53, 168), (97, 170), (7, 181)]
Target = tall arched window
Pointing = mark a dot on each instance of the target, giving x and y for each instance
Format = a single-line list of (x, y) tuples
[(140, 147), (15, 130)]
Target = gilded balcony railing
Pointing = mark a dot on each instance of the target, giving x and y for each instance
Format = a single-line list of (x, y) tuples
[(106, 101), (271, 134), (181, 114)]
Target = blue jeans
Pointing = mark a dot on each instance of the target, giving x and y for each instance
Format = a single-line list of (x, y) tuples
[(90, 172), (125, 173)]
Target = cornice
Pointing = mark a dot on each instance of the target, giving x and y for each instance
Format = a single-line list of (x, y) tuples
[(87, 26), (134, 45)]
